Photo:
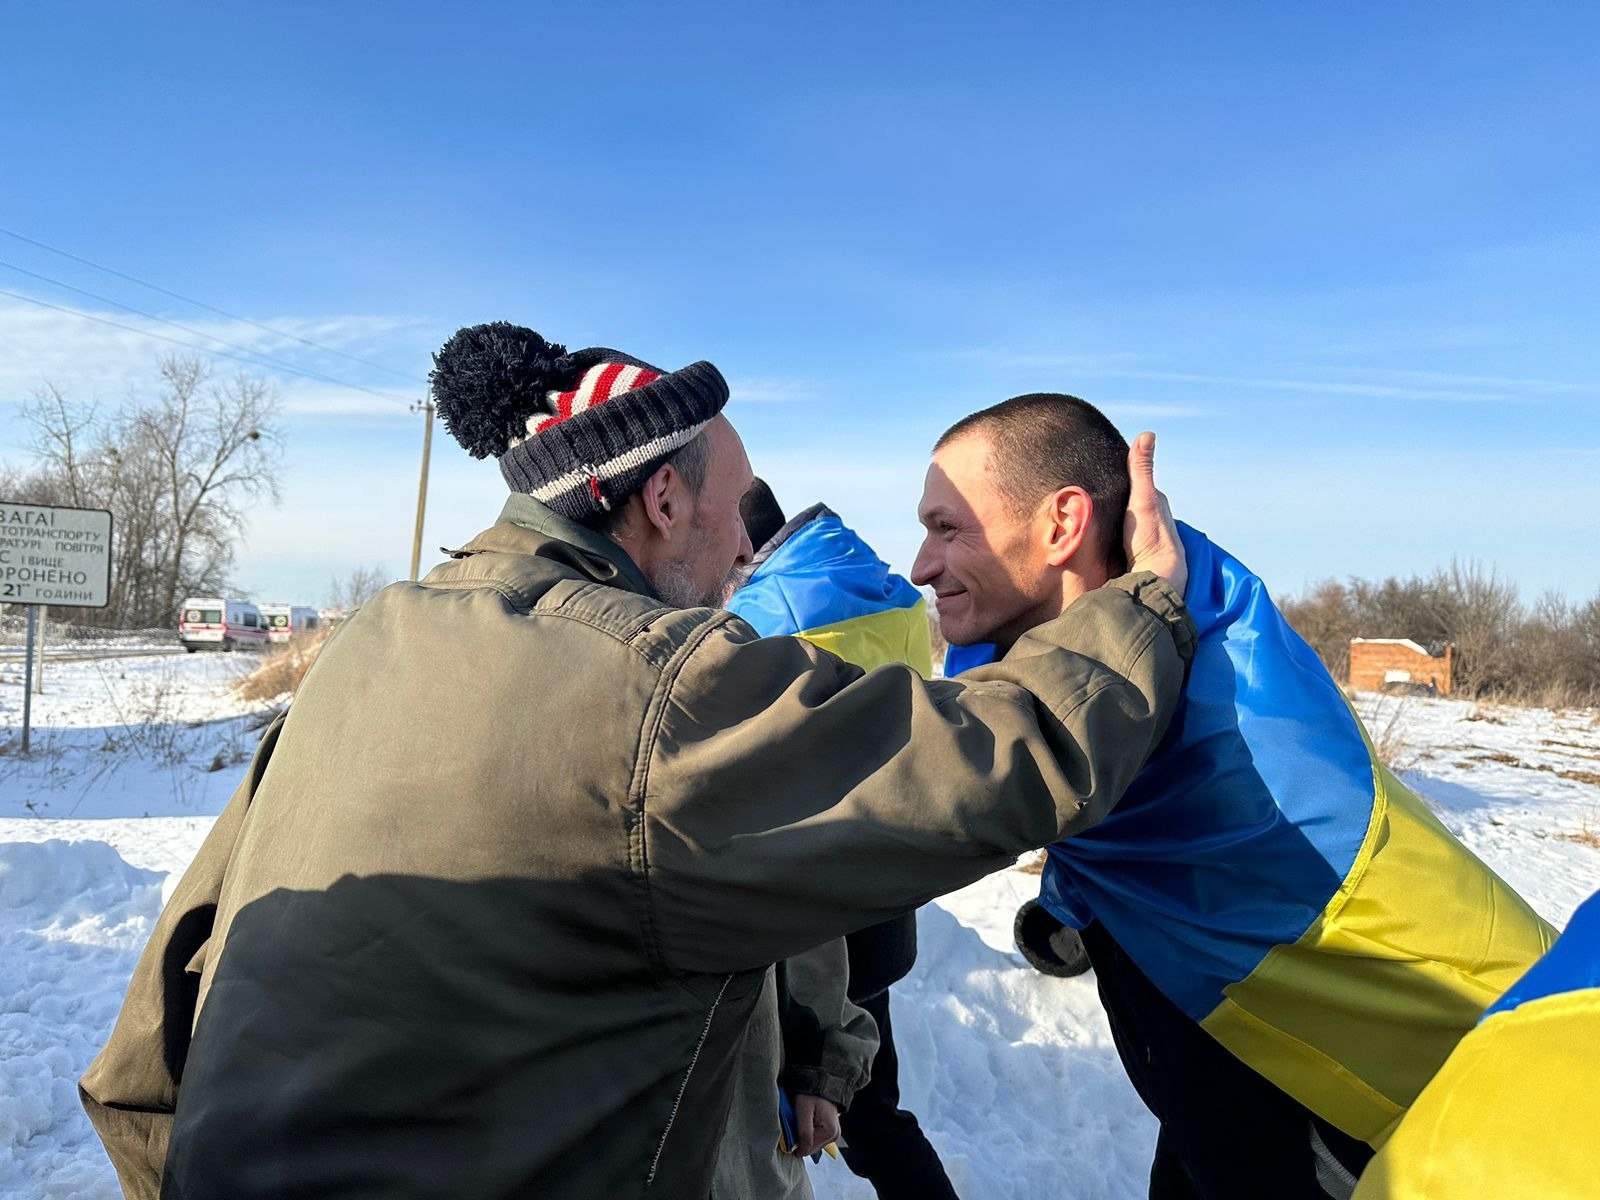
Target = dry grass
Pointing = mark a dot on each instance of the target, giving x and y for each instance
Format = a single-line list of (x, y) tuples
[(1500, 756), (1033, 864), (1584, 837), (1579, 749), (1511, 760), (1389, 734), (282, 670)]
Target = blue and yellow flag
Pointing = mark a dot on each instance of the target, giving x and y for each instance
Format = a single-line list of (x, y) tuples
[(1280, 885), (1513, 1114), (820, 581)]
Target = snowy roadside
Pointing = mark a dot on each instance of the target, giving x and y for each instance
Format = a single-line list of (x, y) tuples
[(127, 737), (1012, 1074), (132, 758)]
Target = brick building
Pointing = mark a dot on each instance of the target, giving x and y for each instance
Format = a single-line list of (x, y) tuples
[(1398, 662)]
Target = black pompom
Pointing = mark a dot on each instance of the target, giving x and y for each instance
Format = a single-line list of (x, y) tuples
[(489, 379)]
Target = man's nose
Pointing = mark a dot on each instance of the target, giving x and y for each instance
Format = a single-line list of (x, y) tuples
[(747, 552), (927, 567)]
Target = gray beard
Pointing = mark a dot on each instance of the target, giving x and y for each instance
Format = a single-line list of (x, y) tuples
[(674, 581), (674, 584)]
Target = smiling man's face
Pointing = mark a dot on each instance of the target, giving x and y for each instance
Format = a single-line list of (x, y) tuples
[(982, 558)]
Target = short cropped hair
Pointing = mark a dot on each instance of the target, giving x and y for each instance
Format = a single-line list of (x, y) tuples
[(763, 515), (1045, 441)]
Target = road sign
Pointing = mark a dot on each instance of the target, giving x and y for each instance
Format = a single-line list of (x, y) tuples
[(54, 555)]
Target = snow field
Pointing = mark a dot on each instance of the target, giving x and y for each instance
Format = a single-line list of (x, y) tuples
[(1012, 1074), (127, 737), (73, 918), (1519, 786)]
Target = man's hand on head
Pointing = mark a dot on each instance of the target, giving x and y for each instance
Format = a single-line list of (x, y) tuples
[(1149, 534), (816, 1124)]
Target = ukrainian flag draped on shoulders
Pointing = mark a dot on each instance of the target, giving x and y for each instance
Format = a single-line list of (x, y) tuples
[(1513, 1114), (818, 580), (1279, 885)]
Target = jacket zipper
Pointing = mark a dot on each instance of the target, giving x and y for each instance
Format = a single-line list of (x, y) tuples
[(684, 1086)]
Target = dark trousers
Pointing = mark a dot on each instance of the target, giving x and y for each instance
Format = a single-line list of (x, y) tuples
[(882, 1142), (1225, 1130)]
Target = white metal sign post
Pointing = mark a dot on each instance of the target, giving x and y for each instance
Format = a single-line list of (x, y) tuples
[(52, 555)]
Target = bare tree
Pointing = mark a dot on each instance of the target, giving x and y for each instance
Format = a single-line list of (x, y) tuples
[(1326, 617), (1549, 653), (350, 592), (216, 449), (179, 472), (63, 430)]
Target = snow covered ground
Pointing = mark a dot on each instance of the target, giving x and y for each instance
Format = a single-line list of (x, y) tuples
[(1013, 1074)]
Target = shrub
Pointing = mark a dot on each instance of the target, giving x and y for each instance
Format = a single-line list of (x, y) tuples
[(280, 673), (1546, 654)]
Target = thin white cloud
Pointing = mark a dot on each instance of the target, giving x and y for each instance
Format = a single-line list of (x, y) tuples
[(96, 360), (1449, 379), (1370, 383), (309, 399), (1323, 387), (774, 390)]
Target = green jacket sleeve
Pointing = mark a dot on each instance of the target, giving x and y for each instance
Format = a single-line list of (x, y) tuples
[(788, 798), (131, 1088), (828, 1042)]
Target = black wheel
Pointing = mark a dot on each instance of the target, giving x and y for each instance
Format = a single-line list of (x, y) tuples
[(227, 645), (190, 649)]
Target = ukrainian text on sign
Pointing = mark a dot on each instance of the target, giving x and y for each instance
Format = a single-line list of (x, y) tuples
[(54, 555)]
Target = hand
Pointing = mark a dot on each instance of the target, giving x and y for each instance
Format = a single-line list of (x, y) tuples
[(816, 1124), (1047, 944), (1149, 535)]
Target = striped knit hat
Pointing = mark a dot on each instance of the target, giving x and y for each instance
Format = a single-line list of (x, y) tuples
[(578, 432)]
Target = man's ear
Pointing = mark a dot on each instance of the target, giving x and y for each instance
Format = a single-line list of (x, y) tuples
[(665, 499), (1069, 512)]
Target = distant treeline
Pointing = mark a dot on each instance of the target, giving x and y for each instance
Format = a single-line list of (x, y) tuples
[(1546, 652)]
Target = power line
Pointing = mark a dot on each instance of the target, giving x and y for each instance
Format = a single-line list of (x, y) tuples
[(202, 304), (266, 359), (74, 312)]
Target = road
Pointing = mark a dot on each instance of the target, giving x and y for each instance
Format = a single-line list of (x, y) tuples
[(11, 654)]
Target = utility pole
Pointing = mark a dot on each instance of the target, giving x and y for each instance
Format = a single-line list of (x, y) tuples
[(426, 409)]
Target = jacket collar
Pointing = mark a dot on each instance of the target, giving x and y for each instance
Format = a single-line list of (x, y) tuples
[(794, 525), (775, 543), (597, 555)]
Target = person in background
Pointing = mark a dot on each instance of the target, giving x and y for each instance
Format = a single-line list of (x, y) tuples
[(813, 577), (808, 1039), (1288, 943)]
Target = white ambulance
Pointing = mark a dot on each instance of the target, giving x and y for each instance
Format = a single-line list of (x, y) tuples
[(286, 621), (214, 623)]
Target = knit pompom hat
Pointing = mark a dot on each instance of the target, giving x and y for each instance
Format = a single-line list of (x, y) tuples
[(580, 431)]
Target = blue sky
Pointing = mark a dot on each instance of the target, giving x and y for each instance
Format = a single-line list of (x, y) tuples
[(1342, 257)]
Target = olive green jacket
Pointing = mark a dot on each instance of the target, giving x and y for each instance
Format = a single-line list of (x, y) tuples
[(490, 910)]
